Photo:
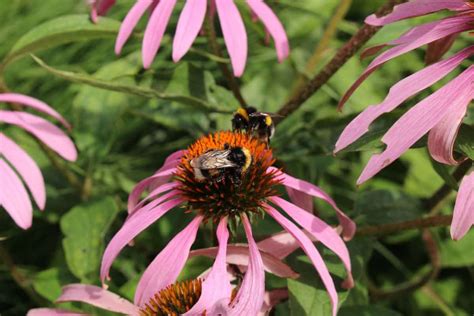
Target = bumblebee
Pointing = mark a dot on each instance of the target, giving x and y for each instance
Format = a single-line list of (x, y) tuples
[(258, 124), (216, 165)]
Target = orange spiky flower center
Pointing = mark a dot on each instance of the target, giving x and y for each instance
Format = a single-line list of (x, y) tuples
[(216, 199), (174, 300)]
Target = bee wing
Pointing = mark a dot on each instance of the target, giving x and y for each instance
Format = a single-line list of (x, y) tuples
[(215, 159), (265, 113)]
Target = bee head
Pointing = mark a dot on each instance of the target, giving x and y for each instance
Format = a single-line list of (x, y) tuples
[(240, 119)]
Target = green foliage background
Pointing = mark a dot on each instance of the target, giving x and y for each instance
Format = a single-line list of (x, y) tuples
[(127, 120)]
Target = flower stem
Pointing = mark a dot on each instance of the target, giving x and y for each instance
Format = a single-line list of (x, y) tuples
[(385, 229), (342, 56), (314, 60), (216, 50)]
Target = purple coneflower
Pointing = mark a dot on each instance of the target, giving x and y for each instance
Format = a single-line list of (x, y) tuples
[(190, 23), (16, 164), (180, 297), (440, 114), (176, 185)]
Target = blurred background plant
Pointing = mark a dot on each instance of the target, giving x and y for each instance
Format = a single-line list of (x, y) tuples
[(126, 121)]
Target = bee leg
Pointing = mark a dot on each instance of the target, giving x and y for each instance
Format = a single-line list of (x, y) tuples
[(235, 176)]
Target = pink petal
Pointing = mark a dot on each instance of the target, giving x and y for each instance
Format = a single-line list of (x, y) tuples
[(463, 215), (234, 33), (104, 5), (129, 23), (238, 254), (419, 120), (158, 179), (51, 312), (155, 30), (154, 194), (26, 167), (189, 24), (347, 224), (249, 299), (442, 137), (303, 200), (400, 92), (48, 133), (140, 220), (416, 8), (33, 103), (98, 297), (312, 253), (216, 286), (272, 298), (321, 231), (280, 245), (416, 37), (14, 198), (167, 265), (273, 25)]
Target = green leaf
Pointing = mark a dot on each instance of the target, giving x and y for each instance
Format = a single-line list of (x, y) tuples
[(59, 31), (383, 206), (84, 228), (455, 254), (48, 283), (465, 141), (129, 89), (367, 311)]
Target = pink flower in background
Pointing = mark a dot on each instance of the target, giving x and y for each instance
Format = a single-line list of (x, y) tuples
[(175, 184), (190, 23), (440, 114), (16, 164)]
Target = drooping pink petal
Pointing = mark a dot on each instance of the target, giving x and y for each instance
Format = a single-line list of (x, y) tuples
[(158, 178), (189, 25), (272, 298), (14, 198), (436, 50), (463, 215), (140, 220), (348, 226), (273, 25), (442, 137), (400, 92), (33, 103), (312, 253), (216, 286), (420, 119), (280, 245), (52, 312), (98, 297), (416, 37), (129, 23), (303, 200), (238, 254), (234, 33), (416, 8), (154, 194), (167, 265), (155, 30), (321, 231), (48, 133), (104, 5), (249, 299), (26, 167)]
